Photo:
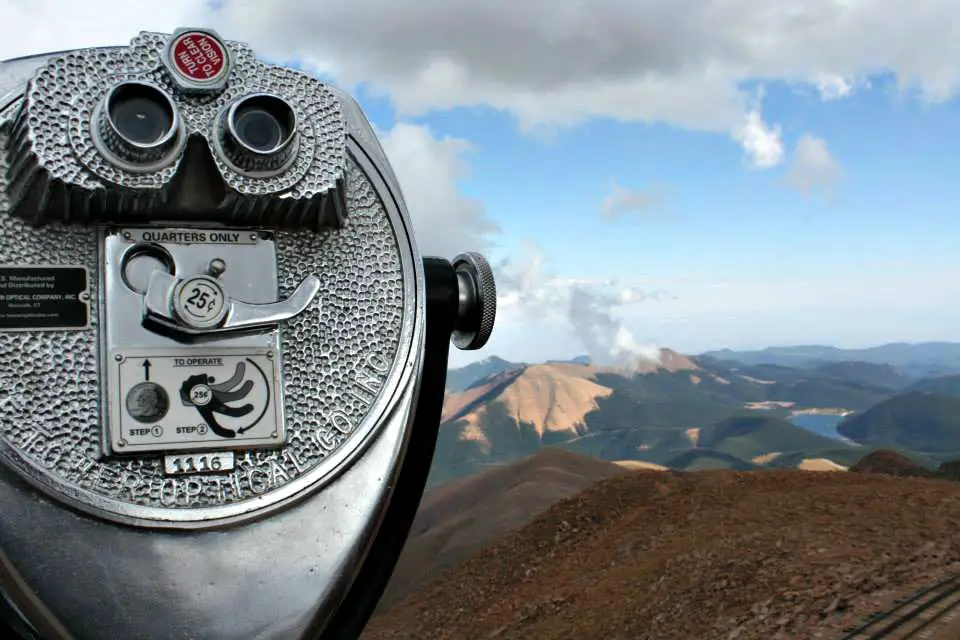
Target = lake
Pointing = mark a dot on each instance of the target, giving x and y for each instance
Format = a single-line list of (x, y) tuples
[(824, 425)]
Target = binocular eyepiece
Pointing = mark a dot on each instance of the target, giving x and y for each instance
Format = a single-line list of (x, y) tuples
[(222, 356)]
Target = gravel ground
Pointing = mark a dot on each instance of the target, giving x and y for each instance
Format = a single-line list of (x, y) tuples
[(725, 555)]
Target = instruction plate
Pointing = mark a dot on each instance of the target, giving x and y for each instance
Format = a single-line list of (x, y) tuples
[(195, 400)]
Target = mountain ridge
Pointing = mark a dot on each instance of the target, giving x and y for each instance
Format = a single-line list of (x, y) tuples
[(662, 414)]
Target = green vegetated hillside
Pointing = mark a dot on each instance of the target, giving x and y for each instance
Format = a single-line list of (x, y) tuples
[(944, 385), (868, 373), (811, 388), (749, 437), (920, 421), (694, 414)]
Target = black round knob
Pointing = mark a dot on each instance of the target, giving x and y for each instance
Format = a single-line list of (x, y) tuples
[(477, 308)]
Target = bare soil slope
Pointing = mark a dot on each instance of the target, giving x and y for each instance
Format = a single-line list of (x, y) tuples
[(653, 554), (891, 463), (457, 518)]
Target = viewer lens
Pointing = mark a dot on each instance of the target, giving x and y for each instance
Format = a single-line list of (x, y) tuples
[(140, 113), (262, 123)]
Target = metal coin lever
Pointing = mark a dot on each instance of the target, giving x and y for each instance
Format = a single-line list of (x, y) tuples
[(199, 305), (222, 353)]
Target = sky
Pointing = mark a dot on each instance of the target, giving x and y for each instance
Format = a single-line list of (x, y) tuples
[(692, 174)]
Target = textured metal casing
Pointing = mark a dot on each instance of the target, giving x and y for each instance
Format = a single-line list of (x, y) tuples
[(268, 549), (57, 173), (347, 359)]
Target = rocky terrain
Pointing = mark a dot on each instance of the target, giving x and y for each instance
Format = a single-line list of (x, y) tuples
[(462, 516), (714, 554)]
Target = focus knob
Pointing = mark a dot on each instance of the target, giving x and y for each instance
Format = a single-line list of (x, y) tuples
[(477, 308)]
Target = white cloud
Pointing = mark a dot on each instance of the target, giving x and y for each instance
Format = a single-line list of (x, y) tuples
[(621, 201), (813, 167), (39, 26), (677, 61), (761, 142), (681, 62), (588, 309), (445, 221), (832, 86)]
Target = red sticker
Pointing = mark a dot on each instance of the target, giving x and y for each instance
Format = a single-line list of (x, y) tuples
[(198, 56)]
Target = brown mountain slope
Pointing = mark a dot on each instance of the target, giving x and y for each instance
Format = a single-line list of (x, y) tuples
[(461, 516), (552, 397), (665, 555), (891, 463)]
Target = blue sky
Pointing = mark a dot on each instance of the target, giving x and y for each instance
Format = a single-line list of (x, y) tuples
[(786, 172), (714, 219)]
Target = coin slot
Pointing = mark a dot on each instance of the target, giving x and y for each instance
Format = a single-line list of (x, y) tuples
[(139, 263)]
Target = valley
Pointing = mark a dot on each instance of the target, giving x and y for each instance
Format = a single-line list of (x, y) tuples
[(699, 412), (689, 497)]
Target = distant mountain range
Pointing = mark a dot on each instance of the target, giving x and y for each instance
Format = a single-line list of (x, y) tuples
[(720, 410), (461, 379), (925, 359)]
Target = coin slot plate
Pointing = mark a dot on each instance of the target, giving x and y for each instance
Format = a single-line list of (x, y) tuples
[(153, 415)]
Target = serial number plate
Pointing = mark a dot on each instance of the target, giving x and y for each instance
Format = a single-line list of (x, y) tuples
[(193, 400), (190, 463)]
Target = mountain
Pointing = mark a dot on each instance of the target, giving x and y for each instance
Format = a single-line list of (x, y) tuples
[(925, 359), (748, 437), (943, 385), (891, 463), (459, 517), (462, 378), (711, 555), (576, 360), (807, 388), (873, 374), (707, 460), (917, 420), (606, 412), (678, 412)]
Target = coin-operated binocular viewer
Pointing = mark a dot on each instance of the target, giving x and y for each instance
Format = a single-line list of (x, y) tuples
[(222, 357)]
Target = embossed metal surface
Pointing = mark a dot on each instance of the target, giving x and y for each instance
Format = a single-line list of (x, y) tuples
[(340, 362), (351, 364), (65, 96), (344, 362)]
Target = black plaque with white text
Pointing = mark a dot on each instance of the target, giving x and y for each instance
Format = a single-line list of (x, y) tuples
[(38, 298)]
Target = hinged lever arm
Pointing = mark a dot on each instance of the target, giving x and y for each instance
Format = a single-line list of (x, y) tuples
[(199, 305)]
